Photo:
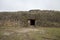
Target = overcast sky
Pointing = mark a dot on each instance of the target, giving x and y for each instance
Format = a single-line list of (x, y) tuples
[(19, 5)]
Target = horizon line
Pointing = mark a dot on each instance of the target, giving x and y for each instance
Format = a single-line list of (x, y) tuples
[(27, 10)]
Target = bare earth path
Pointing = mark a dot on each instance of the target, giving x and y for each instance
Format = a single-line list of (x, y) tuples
[(21, 30), (17, 33)]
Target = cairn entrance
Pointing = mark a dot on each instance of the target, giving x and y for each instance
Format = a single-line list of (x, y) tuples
[(31, 22)]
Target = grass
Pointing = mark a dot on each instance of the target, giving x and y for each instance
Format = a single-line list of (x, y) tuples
[(42, 33)]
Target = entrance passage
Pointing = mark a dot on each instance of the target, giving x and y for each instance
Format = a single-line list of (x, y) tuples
[(31, 21)]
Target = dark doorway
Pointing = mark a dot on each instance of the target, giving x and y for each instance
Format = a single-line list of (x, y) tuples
[(32, 22)]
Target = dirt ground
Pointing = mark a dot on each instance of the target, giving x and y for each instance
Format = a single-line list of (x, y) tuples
[(16, 33)]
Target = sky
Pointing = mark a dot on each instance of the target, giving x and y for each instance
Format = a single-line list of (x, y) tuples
[(24, 5)]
